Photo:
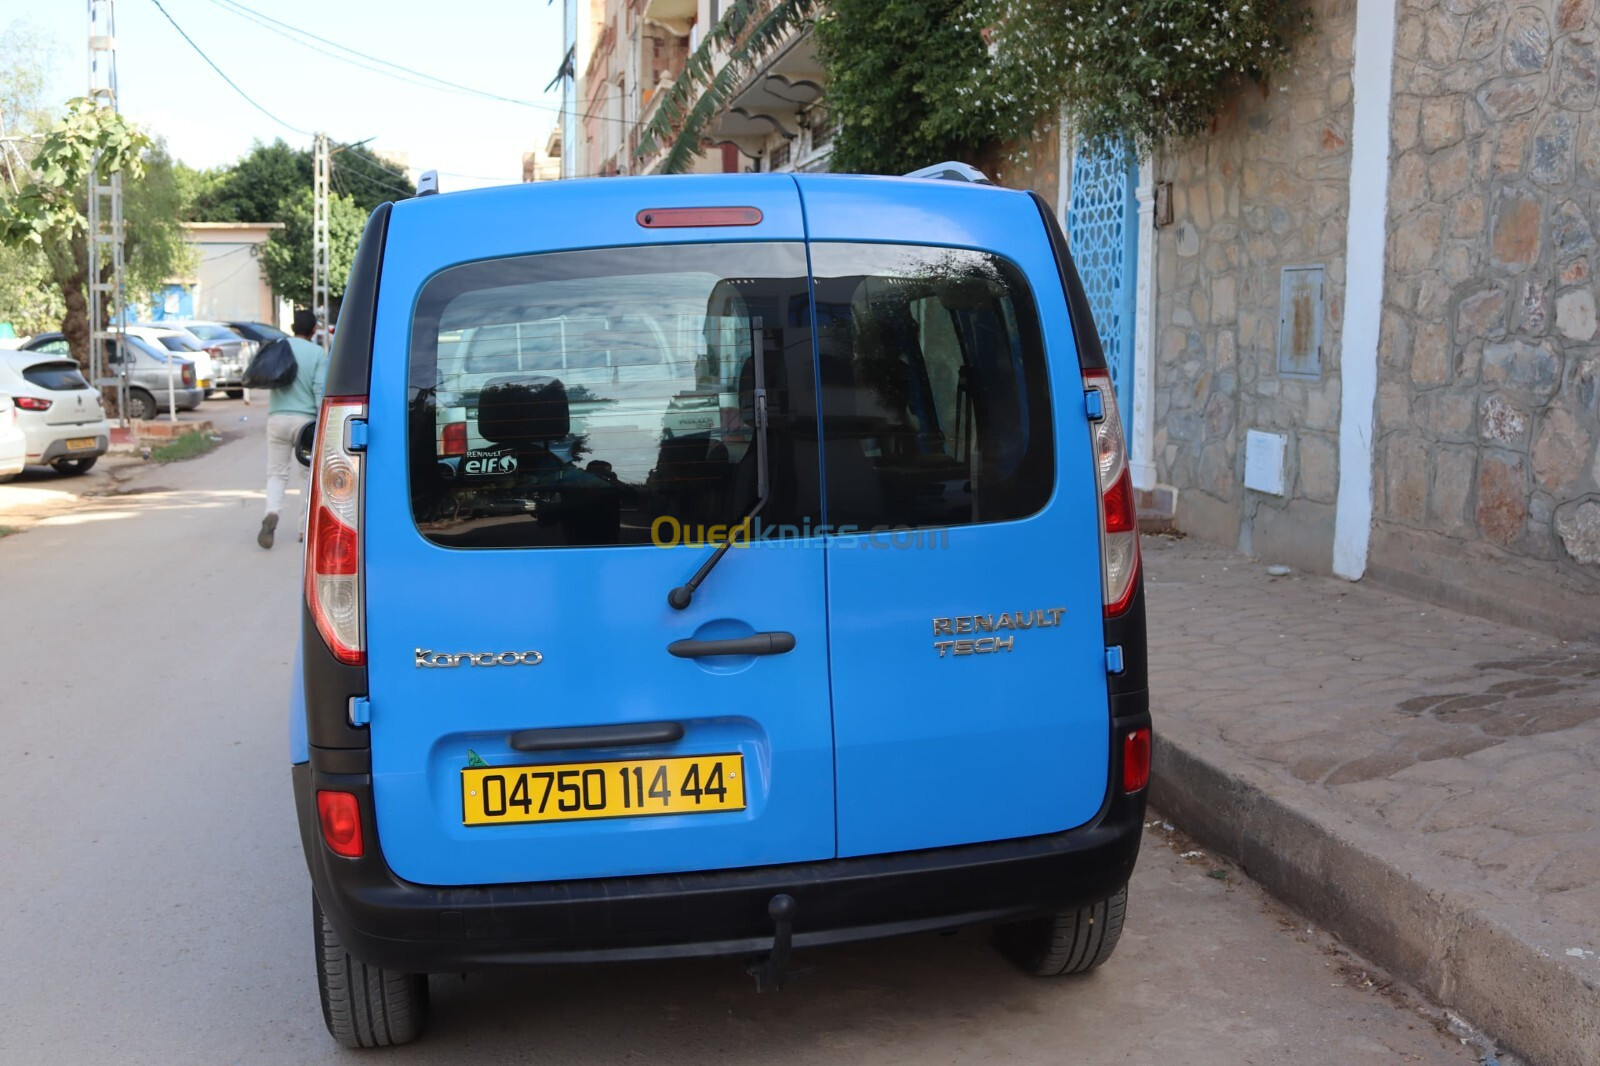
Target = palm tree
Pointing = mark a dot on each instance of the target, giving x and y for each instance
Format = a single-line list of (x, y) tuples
[(750, 30)]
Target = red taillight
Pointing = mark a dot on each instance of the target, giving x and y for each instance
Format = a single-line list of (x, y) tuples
[(32, 403), (340, 816), (675, 217), (1136, 760), (1120, 516), (188, 375), (455, 438), (333, 538), (334, 545), (215, 353), (1119, 522)]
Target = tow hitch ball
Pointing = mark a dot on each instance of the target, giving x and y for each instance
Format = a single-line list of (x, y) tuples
[(770, 971)]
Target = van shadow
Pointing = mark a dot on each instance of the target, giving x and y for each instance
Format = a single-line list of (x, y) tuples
[(911, 998)]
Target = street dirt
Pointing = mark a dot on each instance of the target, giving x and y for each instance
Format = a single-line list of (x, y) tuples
[(156, 905)]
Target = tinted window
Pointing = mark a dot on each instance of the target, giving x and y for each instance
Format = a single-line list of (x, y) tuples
[(58, 346), (259, 331), (574, 398), (178, 343), (936, 406), (58, 377)]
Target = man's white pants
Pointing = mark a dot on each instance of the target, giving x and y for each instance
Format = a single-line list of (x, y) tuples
[(282, 429)]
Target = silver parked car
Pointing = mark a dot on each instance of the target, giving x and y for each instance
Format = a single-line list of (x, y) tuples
[(230, 352), (147, 373)]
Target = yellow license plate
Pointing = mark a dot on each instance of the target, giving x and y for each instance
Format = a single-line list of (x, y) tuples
[(622, 788), (79, 443)]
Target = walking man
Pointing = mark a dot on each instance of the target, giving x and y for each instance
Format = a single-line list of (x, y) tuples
[(289, 409)]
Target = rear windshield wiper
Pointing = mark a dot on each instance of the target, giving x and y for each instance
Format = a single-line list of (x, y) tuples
[(680, 597)]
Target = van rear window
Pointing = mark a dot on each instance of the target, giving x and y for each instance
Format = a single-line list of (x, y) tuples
[(936, 396), (576, 398)]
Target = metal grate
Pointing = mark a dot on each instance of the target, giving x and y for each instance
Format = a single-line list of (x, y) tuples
[(1102, 229)]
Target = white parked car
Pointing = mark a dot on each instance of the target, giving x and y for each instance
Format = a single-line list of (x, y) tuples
[(62, 419), (13, 442), (228, 347), (187, 345)]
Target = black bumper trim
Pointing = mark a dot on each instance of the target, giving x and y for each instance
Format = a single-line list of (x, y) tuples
[(388, 922), (57, 449)]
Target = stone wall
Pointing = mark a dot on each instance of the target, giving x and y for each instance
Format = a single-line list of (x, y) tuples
[(1486, 481), (1269, 188), (1033, 162)]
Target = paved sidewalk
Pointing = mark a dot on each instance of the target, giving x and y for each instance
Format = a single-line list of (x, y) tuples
[(1423, 782)]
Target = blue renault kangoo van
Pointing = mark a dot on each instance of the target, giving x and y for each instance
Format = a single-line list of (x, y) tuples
[(723, 565)]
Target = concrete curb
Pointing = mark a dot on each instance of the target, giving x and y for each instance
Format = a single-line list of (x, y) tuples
[(1427, 918)]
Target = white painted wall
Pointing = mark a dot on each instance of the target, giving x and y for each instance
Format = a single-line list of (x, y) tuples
[(1366, 244), (1142, 441)]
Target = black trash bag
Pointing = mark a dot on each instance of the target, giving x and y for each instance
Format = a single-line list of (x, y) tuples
[(272, 367)]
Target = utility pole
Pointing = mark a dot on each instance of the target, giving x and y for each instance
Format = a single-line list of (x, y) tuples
[(105, 213), (319, 242)]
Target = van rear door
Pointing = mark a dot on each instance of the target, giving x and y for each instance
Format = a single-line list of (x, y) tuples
[(964, 600), (556, 388)]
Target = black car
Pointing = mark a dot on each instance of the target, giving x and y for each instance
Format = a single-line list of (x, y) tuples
[(259, 332)]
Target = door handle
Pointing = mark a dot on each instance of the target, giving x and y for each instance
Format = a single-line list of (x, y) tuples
[(773, 643), (596, 736)]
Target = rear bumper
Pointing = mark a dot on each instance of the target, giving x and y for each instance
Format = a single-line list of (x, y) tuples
[(57, 449), (419, 928)]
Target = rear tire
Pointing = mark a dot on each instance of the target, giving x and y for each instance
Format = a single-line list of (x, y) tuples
[(1067, 942), (141, 405), (74, 467), (365, 1006)]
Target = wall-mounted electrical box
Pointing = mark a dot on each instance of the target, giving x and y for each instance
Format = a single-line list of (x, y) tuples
[(1300, 323), (1264, 455)]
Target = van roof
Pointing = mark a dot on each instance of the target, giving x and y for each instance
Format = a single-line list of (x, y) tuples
[(698, 190)]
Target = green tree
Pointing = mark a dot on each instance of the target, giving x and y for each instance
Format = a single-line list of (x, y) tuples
[(26, 54), (253, 189), (28, 300), (366, 179), (258, 187), (1151, 72), (911, 83), (154, 247), (272, 183), (288, 254), (48, 211)]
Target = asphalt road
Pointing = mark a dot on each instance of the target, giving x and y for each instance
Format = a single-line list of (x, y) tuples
[(154, 907)]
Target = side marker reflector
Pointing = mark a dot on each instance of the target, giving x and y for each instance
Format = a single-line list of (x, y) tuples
[(1136, 760), (340, 816)]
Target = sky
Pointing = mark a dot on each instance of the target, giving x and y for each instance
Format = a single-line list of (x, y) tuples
[(510, 48)]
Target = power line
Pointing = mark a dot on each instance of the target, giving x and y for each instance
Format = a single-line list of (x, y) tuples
[(372, 182), (398, 71), (377, 174), (232, 84), (297, 37), (375, 59)]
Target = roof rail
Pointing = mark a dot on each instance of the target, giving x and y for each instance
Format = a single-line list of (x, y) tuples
[(952, 171)]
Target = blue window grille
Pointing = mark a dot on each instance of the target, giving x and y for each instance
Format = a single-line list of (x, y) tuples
[(1103, 232)]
